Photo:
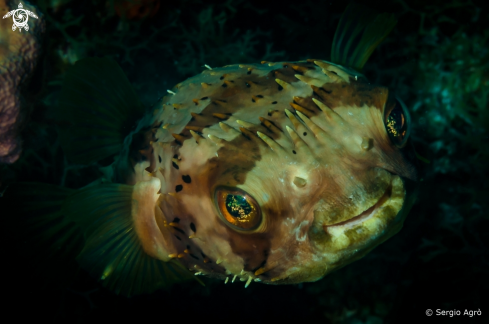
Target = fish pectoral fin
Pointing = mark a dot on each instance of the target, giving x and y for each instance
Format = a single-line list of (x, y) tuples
[(97, 109), (116, 220), (359, 32)]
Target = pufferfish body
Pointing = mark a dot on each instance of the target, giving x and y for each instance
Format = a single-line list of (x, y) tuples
[(275, 172)]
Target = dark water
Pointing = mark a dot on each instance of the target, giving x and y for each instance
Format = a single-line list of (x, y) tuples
[(436, 59)]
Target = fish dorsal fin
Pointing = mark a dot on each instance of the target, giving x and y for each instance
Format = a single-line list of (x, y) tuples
[(97, 109), (359, 32), (119, 249)]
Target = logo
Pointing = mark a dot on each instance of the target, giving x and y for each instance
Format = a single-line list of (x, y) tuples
[(20, 17)]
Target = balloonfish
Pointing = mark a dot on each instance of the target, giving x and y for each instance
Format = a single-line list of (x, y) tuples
[(275, 172)]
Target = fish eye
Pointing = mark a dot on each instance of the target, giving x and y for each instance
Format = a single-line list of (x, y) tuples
[(238, 209), (398, 123)]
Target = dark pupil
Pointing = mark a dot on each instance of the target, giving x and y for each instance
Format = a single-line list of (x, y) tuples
[(237, 206), (394, 121)]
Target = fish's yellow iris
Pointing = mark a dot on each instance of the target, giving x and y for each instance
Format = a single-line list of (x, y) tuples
[(398, 123), (238, 209)]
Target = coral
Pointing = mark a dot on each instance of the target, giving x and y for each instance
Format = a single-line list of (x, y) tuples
[(19, 51)]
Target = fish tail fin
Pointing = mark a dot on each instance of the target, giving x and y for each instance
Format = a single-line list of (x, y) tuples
[(119, 235), (359, 32), (97, 109)]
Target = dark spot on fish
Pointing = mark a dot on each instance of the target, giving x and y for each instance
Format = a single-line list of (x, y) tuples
[(179, 230), (204, 98), (249, 72), (192, 227), (193, 256), (333, 72), (175, 156), (286, 66), (186, 179), (178, 188), (175, 165), (253, 100), (224, 85), (274, 103), (269, 114), (328, 91), (176, 220), (178, 237), (247, 84), (304, 133), (246, 136), (294, 152), (259, 96), (221, 78), (280, 88), (203, 255), (159, 158)]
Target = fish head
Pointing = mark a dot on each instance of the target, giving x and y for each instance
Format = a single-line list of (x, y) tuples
[(291, 197)]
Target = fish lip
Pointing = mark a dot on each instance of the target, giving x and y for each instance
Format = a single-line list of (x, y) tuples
[(367, 214)]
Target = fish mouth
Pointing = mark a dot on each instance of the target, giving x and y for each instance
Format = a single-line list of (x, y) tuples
[(365, 215)]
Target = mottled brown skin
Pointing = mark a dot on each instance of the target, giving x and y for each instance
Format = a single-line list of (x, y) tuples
[(326, 197)]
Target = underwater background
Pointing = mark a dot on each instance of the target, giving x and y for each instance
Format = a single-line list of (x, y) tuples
[(436, 59)]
